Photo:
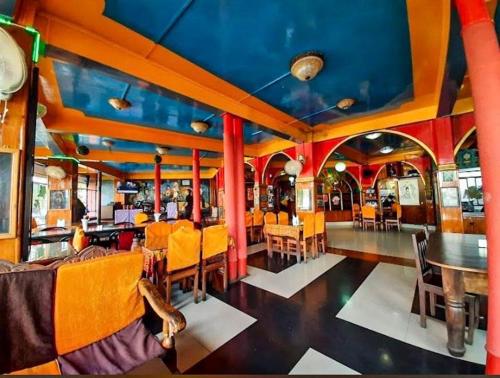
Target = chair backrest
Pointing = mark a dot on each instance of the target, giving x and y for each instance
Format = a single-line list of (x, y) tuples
[(319, 223), (258, 217), (79, 239), (215, 241), (248, 219), (368, 212), (398, 210), (301, 215), (283, 218), (308, 225), (157, 235), (183, 249), (420, 250), (355, 208), (270, 218), (182, 223), (140, 218)]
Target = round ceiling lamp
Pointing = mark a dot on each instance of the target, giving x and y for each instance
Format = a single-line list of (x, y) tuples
[(386, 150), (162, 150), (119, 103), (305, 67), (55, 172), (82, 150), (346, 103), (373, 136), (293, 167), (340, 166), (199, 127)]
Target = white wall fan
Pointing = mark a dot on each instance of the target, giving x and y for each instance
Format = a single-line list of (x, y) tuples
[(13, 70), (55, 172)]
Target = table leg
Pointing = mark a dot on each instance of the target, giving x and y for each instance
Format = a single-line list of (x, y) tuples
[(453, 286)]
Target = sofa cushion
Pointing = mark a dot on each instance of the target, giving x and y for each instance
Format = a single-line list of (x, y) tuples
[(95, 299), (26, 318)]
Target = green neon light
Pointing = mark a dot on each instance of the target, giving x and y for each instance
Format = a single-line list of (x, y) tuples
[(64, 157), (38, 44)]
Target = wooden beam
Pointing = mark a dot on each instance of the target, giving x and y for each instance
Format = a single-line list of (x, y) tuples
[(352, 154), (397, 156), (169, 175), (105, 169)]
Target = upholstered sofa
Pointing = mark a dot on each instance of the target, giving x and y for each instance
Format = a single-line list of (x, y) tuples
[(81, 317)]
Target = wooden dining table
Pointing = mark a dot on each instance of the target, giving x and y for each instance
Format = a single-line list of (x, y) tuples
[(464, 270)]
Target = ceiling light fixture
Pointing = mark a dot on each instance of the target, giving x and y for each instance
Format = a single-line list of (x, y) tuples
[(306, 66), (386, 150), (200, 126), (162, 150), (340, 166), (119, 103), (373, 136), (346, 103), (82, 150), (108, 143)]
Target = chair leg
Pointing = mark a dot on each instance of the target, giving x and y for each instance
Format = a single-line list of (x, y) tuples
[(195, 287), (203, 281), (169, 289), (421, 299), (432, 301), (473, 319)]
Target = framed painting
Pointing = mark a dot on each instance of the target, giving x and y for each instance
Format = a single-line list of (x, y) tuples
[(59, 200), (9, 163), (409, 192), (450, 197)]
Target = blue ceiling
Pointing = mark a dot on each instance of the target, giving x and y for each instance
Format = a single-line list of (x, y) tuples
[(372, 147), (95, 143), (142, 167), (87, 88), (250, 44), (7, 7)]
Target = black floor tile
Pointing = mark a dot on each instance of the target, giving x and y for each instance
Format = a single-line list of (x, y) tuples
[(274, 264)]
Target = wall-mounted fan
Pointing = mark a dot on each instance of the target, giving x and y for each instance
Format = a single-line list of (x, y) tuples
[(13, 69)]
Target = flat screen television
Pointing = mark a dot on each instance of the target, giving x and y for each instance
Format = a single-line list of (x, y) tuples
[(127, 187)]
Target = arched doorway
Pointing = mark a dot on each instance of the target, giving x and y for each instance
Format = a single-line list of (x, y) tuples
[(249, 186), (279, 187), (383, 164)]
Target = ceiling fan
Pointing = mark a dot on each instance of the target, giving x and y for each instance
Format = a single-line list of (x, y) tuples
[(13, 70)]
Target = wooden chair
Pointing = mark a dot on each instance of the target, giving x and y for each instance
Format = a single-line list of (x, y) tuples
[(270, 218), (249, 224), (183, 259), (155, 249), (277, 236), (215, 244), (369, 217), (182, 223), (306, 239), (258, 224), (357, 219), (429, 282), (320, 232), (140, 218), (394, 222), (283, 218), (301, 215)]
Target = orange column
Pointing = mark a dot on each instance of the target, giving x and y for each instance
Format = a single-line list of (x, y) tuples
[(483, 61), (230, 191), (239, 170), (196, 186)]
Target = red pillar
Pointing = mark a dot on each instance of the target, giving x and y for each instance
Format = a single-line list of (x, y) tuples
[(196, 186), (158, 187), (483, 61), (239, 170), (230, 191)]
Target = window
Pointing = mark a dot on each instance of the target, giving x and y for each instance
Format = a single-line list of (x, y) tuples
[(471, 190), (40, 199)]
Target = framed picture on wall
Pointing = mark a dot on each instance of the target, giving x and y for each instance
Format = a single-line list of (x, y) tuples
[(59, 200), (448, 176), (9, 160), (408, 192), (450, 197)]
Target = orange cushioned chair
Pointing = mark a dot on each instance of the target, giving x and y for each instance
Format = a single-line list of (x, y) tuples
[(155, 249), (258, 223), (182, 223), (307, 237), (320, 232), (270, 218), (249, 224), (183, 258), (80, 241), (357, 219), (214, 254), (140, 218), (369, 217), (394, 222), (283, 218)]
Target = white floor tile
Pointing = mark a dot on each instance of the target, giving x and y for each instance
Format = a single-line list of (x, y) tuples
[(210, 324), (314, 362), (289, 281), (383, 304), (152, 367)]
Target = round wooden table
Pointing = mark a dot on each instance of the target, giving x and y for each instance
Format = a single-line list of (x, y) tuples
[(464, 269)]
